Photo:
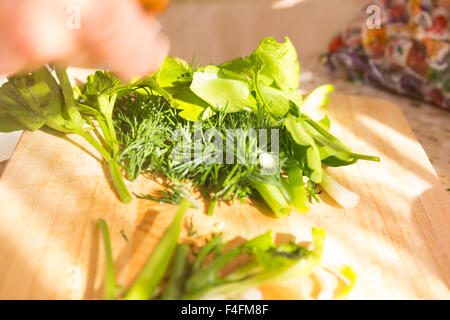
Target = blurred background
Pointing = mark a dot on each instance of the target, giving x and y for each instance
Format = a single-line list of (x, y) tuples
[(218, 30)]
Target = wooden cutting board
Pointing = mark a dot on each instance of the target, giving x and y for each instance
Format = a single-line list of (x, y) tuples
[(397, 239)]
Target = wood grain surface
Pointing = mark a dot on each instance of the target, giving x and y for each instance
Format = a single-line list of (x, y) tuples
[(2, 167), (397, 239)]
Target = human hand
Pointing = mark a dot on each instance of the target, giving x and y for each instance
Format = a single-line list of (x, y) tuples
[(116, 34), (284, 4)]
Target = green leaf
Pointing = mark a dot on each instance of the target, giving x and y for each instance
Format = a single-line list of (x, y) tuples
[(222, 91), (172, 71), (328, 144), (332, 151), (239, 66), (15, 112), (76, 122), (261, 243), (36, 99), (99, 82), (278, 100), (192, 106), (280, 65), (306, 150), (325, 122), (9, 124), (318, 98)]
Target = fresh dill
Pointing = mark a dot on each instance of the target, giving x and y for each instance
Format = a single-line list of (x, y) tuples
[(171, 194)]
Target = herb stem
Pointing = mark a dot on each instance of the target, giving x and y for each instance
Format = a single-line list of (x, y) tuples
[(110, 282), (211, 207), (121, 188), (365, 157), (274, 198), (95, 144), (297, 189), (258, 91), (174, 286), (157, 264)]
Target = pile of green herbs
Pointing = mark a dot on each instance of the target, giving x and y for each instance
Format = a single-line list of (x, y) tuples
[(198, 274), (258, 92), (133, 127), (146, 126)]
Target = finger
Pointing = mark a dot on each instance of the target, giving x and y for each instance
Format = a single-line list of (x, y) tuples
[(37, 29), (284, 4), (10, 59), (124, 38)]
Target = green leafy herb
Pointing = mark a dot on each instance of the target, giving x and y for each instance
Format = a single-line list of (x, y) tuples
[(156, 265), (256, 92), (110, 282), (35, 100), (172, 195), (200, 275), (167, 124)]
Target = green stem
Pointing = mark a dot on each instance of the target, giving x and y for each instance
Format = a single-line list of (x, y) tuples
[(207, 249), (285, 190), (116, 174), (211, 207), (110, 282), (257, 90), (174, 286), (121, 188), (95, 144), (105, 131), (297, 189), (273, 197), (365, 157), (157, 264), (115, 145)]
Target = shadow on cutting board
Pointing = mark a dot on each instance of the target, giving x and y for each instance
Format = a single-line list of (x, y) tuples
[(2, 167), (123, 258)]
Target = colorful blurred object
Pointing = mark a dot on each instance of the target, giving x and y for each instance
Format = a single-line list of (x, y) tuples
[(154, 6), (408, 52)]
